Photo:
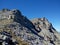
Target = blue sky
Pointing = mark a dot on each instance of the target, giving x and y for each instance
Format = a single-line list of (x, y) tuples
[(36, 9)]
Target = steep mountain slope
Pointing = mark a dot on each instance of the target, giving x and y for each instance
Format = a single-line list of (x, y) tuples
[(38, 31)]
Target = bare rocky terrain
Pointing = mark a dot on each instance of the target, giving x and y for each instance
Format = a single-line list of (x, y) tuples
[(16, 29)]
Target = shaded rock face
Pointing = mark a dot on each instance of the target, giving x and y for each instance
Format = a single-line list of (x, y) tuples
[(38, 31)]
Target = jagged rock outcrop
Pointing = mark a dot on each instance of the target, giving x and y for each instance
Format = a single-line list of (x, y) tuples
[(38, 31), (47, 31)]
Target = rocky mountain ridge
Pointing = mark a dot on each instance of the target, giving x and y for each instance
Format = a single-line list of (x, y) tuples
[(38, 31)]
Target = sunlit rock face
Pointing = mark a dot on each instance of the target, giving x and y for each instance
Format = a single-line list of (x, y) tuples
[(38, 31)]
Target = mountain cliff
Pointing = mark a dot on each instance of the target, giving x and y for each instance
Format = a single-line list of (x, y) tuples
[(19, 30)]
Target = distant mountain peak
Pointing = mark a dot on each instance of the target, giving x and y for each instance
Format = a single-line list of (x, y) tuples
[(5, 9), (44, 19)]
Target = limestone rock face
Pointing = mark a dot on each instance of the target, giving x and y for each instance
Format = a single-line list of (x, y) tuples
[(38, 31)]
